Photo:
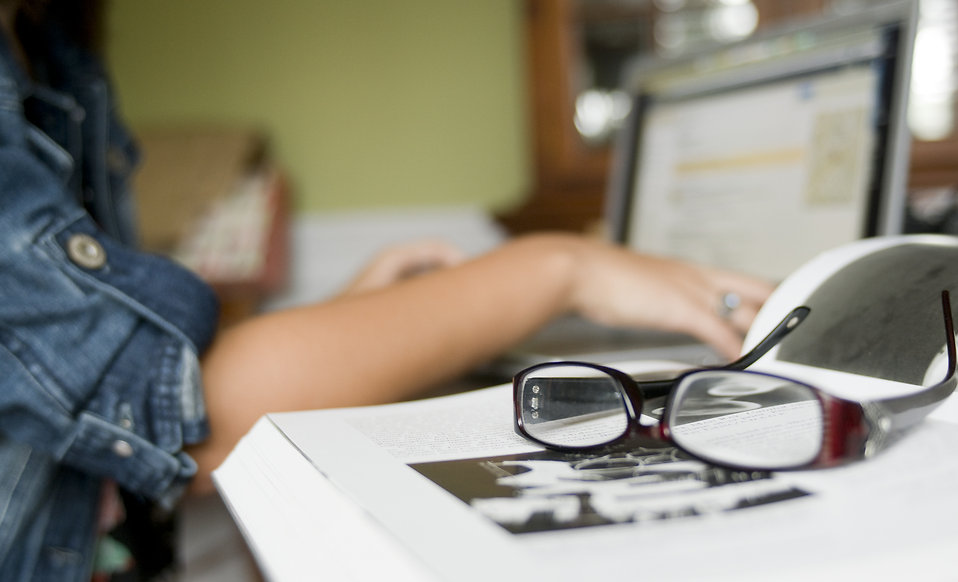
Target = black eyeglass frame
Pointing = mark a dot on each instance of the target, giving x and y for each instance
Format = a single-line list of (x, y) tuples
[(853, 429)]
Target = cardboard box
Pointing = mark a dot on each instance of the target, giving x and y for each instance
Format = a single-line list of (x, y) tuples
[(184, 172), (211, 199)]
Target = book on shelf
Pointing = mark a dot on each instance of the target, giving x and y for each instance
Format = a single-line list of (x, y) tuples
[(444, 488)]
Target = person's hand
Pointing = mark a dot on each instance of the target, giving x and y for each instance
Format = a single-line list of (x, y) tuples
[(619, 287), (404, 261)]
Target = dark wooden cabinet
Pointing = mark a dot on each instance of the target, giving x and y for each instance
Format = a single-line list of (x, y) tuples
[(569, 174)]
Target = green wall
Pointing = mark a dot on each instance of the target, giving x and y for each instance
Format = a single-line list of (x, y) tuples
[(366, 103)]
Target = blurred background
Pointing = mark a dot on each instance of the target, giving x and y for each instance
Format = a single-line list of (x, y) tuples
[(506, 108), (363, 103), (505, 104)]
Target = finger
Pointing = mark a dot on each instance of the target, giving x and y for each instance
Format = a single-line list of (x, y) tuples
[(736, 298), (723, 337), (722, 326), (741, 318), (749, 289), (403, 261), (436, 254)]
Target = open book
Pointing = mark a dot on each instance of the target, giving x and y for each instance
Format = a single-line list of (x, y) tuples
[(444, 489)]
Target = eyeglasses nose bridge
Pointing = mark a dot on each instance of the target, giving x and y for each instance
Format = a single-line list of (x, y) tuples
[(634, 398)]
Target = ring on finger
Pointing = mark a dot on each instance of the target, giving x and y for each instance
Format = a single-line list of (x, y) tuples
[(728, 303)]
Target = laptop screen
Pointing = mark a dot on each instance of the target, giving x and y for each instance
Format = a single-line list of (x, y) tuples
[(759, 155)]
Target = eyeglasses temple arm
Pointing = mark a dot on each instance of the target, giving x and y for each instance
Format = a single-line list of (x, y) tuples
[(785, 327), (900, 412), (655, 388)]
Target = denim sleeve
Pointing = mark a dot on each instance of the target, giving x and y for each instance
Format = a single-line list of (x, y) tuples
[(99, 344)]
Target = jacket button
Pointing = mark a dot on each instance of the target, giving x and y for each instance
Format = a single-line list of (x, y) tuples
[(86, 251), (118, 161), (122, 449)]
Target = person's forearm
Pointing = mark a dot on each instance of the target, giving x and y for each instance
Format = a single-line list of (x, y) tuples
[(437, 325), (383, 345), (390, 342)]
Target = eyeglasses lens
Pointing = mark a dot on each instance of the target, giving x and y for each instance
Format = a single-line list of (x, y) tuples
[(572, 406), (746, 419)]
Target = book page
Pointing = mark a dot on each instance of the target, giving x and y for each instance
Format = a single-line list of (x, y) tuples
[(876, 328), (447, 483), (584, 516), (474, 424)]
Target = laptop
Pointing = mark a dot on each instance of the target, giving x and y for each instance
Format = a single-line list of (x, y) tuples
[(754, 156)]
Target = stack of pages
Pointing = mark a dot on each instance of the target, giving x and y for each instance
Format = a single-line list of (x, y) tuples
[(444, 489)]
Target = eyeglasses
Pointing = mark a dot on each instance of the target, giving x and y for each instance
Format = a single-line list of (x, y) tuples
[(726, 416)]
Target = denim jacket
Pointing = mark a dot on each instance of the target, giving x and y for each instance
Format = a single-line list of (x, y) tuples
[(99, 343)]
